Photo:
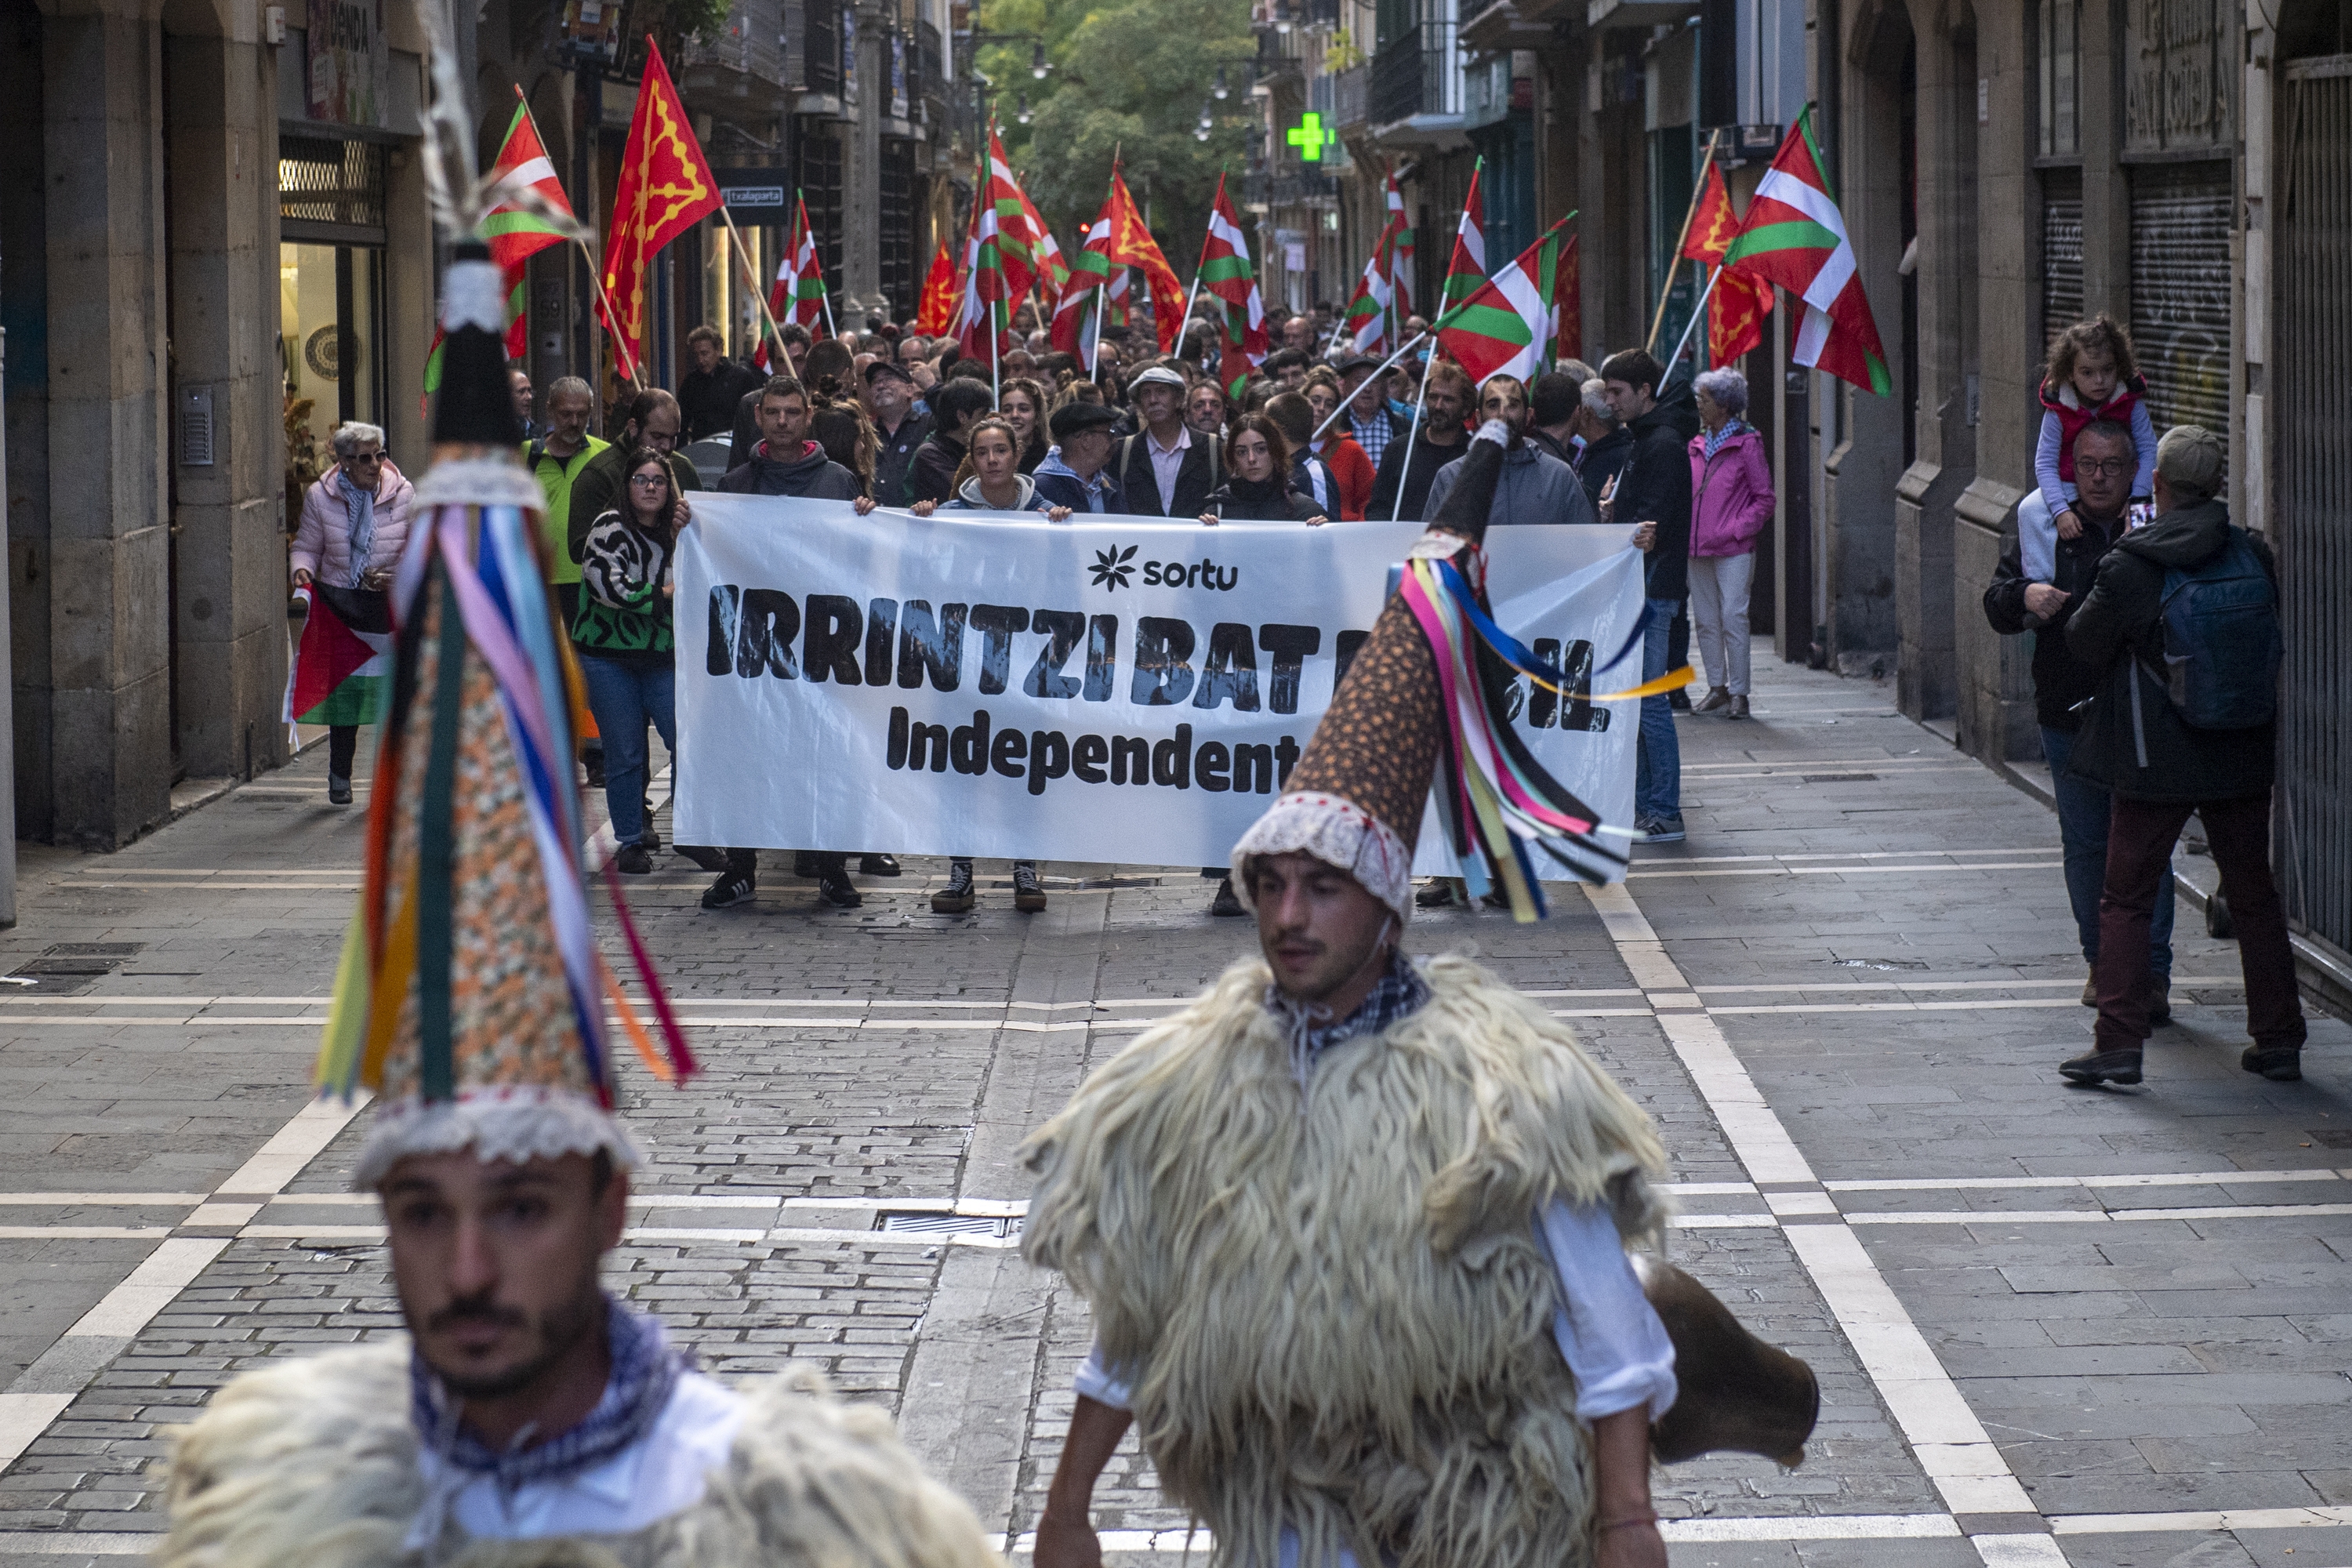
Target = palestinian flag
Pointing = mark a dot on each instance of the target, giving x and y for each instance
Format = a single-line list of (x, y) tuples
[(1738, 304), (342, 671), (1400, 255), (1466, 270), (515, 234), (1511, 326), (1365, 321), (983, 323), (1795, 237), (937, 308), (1225, 273)]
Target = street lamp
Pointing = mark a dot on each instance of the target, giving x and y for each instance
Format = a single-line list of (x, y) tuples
[(1221, 91), (1021, 106), (1037, 64)]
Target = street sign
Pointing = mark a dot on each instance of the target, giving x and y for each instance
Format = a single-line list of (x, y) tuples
[(756, 196)]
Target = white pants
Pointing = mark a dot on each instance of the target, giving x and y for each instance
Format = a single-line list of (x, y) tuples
[(1719, 611)]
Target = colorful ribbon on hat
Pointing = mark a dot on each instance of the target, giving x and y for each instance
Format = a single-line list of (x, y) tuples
[(482, 563), (1493, 794)]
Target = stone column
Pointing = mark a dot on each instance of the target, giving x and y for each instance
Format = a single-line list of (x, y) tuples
[(229, 518), (108, 550), (861, 174)]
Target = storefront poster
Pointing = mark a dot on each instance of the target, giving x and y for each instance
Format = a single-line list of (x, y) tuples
[(348, 62)]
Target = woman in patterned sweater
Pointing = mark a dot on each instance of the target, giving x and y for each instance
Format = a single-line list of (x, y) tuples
[(623, 633)]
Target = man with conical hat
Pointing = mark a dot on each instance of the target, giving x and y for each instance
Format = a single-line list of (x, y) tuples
[(526, 1417), (1353, 1226)]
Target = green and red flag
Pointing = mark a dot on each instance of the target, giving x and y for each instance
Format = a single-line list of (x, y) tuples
[(982, 320), (1225, 275), (1025, 246), (937, 307), (798, 292), (1738, 303), (1466, 270), (1795, 237), (515, 233), (1511, 325), (1400, 252), (1365, 322), (1074, 331)]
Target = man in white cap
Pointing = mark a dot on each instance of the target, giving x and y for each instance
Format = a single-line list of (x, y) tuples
[(1164, 470)]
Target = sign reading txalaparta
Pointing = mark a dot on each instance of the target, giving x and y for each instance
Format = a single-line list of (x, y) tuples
[(1107, 689)]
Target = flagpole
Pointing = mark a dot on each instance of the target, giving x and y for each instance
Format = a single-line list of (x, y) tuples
[(1698, 188), (1207, 230), (1384, 365), (1420, 405), (825, 295), (1697, 311), (743, 254), (1102, 309)]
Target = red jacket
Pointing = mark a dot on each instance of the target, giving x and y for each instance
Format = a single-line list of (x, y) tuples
[(1354, 472), (2072, 417), (1731, 495)]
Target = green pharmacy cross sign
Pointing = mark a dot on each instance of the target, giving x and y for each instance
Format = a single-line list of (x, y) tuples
[(1310, 137)]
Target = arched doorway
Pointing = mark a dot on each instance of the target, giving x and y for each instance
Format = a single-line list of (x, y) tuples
[(2313, 506)]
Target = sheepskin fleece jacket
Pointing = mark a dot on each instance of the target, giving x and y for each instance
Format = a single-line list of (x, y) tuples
[(1330, 1299), (314, 1463)]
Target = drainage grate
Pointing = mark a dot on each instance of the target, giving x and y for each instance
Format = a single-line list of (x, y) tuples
[(1840, 778), (71, 965), (2332, 1137), (928, 1224)]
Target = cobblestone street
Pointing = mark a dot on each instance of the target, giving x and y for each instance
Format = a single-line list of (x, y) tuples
[(2052, 1326)]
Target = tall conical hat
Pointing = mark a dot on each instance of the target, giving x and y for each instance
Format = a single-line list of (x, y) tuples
[(471, 996), (1423, 701)]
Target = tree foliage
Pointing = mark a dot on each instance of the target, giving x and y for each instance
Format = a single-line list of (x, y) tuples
[(1129, 77)]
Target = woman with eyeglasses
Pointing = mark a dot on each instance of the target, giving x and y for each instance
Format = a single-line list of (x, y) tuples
[(354, 523), (624, 635)]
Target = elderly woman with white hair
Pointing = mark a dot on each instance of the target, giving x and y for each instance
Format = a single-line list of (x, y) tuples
[(1731, 500), (354, 523)]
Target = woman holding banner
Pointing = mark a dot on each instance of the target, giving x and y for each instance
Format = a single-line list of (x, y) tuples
[(624, 638), (1257, 479)]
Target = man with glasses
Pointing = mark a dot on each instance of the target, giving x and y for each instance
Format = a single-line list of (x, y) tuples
[(654, 420), (555, 460)]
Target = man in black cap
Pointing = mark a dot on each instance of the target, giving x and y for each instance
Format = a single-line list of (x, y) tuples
[(890, 397), (1164, 471), (1073, 473)]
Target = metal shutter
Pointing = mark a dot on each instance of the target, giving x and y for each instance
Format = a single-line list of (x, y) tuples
[(2181, 291), (2061, 251), (2313, 521)]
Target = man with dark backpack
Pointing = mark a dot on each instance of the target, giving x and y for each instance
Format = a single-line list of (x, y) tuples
[(2183, 619)]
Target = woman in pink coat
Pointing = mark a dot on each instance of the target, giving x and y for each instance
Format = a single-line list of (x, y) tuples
[(354, 523), (1731, 500)]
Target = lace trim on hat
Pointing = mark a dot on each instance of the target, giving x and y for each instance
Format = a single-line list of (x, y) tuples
[(516, 1124), (479, 481), (1339, 833)]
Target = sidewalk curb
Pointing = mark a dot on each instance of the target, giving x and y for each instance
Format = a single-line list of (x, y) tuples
[(2324, 975)]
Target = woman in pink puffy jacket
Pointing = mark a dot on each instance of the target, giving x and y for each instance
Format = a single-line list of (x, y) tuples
[(1731, 500), (354, 523)]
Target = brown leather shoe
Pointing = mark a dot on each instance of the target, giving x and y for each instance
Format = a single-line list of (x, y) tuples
[(1717, 697), (1738, 707)]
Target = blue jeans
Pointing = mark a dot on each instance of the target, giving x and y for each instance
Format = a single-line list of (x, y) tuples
[(625, 698), (2083, 813), (1658, 756)]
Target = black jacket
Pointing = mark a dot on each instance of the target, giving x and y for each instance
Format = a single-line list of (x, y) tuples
[(811, 476), (897, 456), (1657, 489), (2060, 680), (1202, 471), (931, 471), (2117, 632), (599, 487), (1238, 501), (1428, 457), (707, 401), (1605, 459)]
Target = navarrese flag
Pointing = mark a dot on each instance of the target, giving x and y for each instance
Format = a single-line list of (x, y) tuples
[(1737, 308), (1131, 244), (1512, 325), (1366, 320), (937, 307), (666, 187), (515, 234), (1466, 270), (1226, 275), (1794, 235)]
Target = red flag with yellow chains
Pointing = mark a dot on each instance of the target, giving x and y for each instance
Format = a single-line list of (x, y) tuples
[(1737, 309), (665, 188)]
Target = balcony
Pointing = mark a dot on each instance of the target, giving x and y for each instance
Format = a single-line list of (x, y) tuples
[(1348, 98), (740, 68), (820, 72), (1290, 188), (1415, 94), (1275, 65), (930, 68)]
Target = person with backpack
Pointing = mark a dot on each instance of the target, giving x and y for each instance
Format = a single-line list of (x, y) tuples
[(2183, 621)]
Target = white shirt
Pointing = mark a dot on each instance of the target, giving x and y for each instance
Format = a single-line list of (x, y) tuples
[(662, 1473), (1607, 1330), (1166, 462)]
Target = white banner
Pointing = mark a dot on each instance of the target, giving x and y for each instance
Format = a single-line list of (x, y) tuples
[(1113, 690)]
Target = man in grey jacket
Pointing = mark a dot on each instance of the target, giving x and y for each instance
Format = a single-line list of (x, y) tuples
[(1536, 487)]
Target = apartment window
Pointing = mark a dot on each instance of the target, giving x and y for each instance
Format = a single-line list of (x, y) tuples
[(2059, 78)]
